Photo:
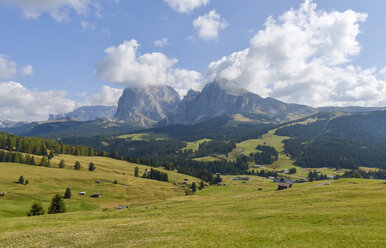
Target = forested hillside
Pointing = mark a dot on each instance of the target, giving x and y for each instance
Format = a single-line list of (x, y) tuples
[(343, 142)]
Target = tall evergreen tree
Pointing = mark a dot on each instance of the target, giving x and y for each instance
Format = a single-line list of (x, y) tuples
[(194, 188), (91, 167), (62, 164), (202, 185), (67, 195), (36, 209), (21, 180), (57, 205), (136, 172), (77, 165), (44, 162), (26, 181)]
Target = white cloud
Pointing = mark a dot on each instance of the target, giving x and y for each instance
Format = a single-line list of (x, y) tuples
[(185, 6), (26, 70), (8, 68), (383, 71), (57, 9), (161, 42), (19, 103), (87, 25), (302, 57), (122, 65), (208, 26), (108, 96)]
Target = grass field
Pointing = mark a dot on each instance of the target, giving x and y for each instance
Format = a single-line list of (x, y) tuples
[(194, 145), (345, 213), (284, 162), (44, 183), (144, 136)]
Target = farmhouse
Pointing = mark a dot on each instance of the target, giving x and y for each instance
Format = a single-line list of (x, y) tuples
[(121, 207), (3, 193), (96, 195), (82, 193), (281, 186), (98, 181)]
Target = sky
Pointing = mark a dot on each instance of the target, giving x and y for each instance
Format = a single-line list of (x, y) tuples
[(57, 55)]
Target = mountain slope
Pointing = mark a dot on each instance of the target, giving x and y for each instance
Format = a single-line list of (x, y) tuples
[(227, 97), (147, 105)]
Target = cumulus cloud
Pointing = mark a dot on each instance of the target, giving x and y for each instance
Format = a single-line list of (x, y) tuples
[(122, 65), (26, 70), (108, 96), (383, 71), (8, 68), (303, 56), (161, 42), (20, 103), (208, 26), (57, 9), (185, 6)]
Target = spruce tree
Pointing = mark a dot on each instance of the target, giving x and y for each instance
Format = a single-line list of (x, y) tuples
[(136, 172), (44, 162), (202, 185), (62, 164), (51, 155), (26, 181), (91, 167), (21, 180), (36, 209), (57, 205), (115, 181), (67, 195), (194, 188), (77, 165)]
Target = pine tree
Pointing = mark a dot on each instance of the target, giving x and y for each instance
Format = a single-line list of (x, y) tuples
[(51, 155), (62, 164), (202, 185), (44, 162), (67, 195), (194, 188), (91, 167), (115, 181), (136, 172), (36, 209), (57, 205), (21, 180), (77, 165), (26, 181)]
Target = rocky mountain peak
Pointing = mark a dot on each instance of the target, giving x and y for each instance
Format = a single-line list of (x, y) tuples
[(148, 104)]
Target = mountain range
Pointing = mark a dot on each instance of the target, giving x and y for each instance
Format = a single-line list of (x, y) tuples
[(153, 106)]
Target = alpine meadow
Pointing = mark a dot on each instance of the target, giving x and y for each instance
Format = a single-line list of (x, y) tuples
[(192, 123)]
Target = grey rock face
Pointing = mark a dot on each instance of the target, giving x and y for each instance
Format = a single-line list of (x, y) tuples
[(147, 105), (227, 97)]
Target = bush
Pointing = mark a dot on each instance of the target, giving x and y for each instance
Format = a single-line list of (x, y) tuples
[(36, 209), (21, 180), (91, 167)]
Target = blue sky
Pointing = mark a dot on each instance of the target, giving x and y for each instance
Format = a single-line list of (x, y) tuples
[(58, 48)]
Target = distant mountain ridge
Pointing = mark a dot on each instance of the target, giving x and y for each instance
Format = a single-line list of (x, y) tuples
[(88, 113)]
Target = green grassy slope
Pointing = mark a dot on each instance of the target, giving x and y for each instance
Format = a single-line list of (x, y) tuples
[(284, 162), (345, 213), (44, 183)]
